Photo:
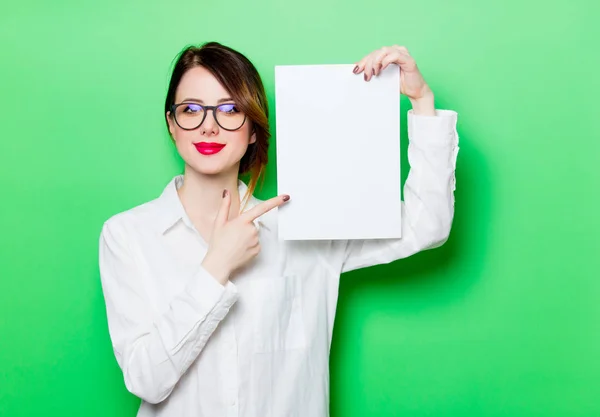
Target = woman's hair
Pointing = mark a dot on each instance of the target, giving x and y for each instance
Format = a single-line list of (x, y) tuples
[(241, 79)]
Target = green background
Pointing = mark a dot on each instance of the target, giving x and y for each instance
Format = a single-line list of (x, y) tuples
[(504, 320)]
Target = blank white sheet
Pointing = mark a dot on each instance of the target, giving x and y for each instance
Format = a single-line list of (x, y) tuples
[(338, 152)]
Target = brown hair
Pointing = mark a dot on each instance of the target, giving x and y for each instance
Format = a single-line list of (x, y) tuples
[(241, 79)]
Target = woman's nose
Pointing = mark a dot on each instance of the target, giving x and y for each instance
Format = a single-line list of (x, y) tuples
[(210, 126)]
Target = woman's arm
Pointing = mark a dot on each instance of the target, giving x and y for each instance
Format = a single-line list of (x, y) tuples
[(428, 206), (154, 350)]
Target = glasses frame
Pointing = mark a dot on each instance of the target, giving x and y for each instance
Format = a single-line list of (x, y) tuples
[(206, 109)]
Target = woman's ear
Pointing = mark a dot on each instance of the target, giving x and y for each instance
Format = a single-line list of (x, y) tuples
[(252, 137), (171, 125)]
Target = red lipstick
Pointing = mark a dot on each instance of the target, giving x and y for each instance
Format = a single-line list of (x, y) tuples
[(209, 148)]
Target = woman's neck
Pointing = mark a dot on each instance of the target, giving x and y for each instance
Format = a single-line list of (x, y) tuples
[(202, 195)]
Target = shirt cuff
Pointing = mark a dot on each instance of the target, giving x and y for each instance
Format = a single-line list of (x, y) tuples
[(430, 130), (209, 293)]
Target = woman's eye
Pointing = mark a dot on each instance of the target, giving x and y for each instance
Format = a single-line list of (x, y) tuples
[(228, 108), (192, 108)]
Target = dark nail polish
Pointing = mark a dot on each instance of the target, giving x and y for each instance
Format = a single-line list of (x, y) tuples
[(355, 70), (224, 193), (365, 76), (286, 197)]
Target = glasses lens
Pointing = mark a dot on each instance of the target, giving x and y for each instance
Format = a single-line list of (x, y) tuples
[(229, 116), (189, 115)]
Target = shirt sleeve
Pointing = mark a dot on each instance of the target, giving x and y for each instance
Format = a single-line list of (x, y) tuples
[(428, 206), (154, 350)]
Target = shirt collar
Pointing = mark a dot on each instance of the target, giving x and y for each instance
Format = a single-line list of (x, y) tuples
[(171, 210)]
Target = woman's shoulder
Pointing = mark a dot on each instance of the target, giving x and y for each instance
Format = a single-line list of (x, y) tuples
[(150, 214), (143, 215)]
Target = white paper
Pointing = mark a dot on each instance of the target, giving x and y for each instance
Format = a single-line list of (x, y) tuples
[(338, 152)]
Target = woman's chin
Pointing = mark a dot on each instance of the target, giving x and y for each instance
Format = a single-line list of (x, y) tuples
[(219, 163), (210, 167)]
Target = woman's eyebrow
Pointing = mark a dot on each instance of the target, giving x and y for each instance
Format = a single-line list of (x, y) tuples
[(197, 100)]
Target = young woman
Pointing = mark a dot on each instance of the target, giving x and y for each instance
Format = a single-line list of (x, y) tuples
[(208, 312)]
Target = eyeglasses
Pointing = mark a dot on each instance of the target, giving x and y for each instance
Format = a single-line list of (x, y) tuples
[(190, 116)]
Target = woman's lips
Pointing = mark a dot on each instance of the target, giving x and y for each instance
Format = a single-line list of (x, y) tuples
[(209, 148)]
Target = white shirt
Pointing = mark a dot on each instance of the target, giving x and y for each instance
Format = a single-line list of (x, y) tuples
[(258, 346)]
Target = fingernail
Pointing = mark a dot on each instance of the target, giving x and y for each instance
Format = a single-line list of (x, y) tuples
[(224, 193), (286, 197), (355, 70), (365, 76)]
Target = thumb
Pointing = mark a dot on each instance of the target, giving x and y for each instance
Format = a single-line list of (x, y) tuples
[(223, 213)]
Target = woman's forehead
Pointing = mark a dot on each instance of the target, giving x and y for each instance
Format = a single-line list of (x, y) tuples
[(200, 84)]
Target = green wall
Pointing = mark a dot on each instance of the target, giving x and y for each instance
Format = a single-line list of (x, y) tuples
[(504, 320)]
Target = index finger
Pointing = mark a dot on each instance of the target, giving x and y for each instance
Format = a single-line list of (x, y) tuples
[(264, 207)]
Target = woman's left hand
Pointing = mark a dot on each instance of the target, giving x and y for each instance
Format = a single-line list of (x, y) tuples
[(412, 83)]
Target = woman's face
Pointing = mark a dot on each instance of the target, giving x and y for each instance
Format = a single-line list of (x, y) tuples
[(208, 149)]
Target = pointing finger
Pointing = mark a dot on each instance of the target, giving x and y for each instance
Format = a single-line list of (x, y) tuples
[(264, 207)]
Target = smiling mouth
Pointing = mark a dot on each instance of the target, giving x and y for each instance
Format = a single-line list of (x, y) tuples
[(209, 148)]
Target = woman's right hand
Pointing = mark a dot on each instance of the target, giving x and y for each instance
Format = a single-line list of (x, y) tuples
[(235, 242)]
